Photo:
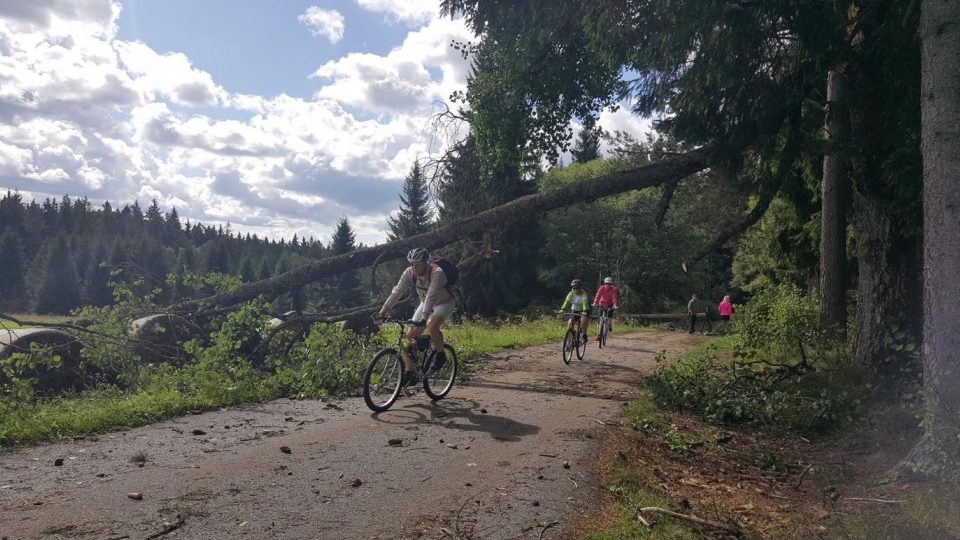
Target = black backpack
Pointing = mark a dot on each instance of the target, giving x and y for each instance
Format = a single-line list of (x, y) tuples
[(449, 269)]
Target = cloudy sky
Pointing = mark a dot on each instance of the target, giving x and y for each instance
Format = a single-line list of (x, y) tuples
[(278, 117)]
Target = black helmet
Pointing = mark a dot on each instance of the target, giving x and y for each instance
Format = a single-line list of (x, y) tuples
[(418, 255), (576, 284)]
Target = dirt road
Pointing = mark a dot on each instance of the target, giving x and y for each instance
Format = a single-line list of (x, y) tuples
[(506, 455)]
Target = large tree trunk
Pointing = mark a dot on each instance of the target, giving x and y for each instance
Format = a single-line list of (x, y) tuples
[(887, 280), (940, 103), (654, 174), (833, 218)]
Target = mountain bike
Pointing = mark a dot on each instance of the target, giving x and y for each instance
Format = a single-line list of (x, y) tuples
[(602, 329), (573, 340), (382, 381)]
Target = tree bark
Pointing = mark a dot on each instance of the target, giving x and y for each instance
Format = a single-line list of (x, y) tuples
[(940, 107), (887, 270), (834, 196), (654, 174)]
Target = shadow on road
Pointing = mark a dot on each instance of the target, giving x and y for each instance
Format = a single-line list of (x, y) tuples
[(448, 412)]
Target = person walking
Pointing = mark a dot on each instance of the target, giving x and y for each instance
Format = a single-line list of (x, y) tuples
[(692, 312)]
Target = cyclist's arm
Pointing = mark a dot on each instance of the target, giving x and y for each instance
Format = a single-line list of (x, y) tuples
[(568, 301), (400, 289), (596, 298)]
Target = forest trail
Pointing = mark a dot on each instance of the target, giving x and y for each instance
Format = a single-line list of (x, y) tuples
[(506, 455)]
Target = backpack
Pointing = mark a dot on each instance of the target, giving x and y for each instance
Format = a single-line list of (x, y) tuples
[(449, 269)]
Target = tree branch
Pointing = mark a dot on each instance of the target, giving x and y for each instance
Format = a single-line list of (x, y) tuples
[(766, 197), (650, 175)]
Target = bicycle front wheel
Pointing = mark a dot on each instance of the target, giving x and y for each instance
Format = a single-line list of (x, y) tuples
[(437, 382), (381, 381), (569, 344), (603, 334), (581, 347)]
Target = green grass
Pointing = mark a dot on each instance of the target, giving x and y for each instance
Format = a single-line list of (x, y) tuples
[(183, 391), (477, 338)]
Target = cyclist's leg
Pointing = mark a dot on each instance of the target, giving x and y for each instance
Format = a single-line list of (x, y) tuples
[(584, 323), (440, 314), (412, 334), (610, 312)]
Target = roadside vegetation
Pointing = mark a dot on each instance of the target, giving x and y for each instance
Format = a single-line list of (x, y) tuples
[(122, 386), (760, 429)]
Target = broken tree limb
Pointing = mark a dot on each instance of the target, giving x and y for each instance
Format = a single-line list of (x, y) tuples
[(526, 207), (766, 197), (732, 529), (664, 203)]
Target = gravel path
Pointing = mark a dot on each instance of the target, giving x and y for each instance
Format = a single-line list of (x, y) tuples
[(506, 455)]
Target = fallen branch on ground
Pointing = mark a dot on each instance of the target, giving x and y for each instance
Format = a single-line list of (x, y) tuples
[(732, 529)]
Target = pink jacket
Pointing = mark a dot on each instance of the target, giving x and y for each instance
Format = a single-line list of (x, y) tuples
[(726, 309), (606, 297)]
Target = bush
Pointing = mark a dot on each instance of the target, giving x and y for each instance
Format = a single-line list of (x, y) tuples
[(779, 368)]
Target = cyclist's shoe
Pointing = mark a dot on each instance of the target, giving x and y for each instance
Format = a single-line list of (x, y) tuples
[(409, 379), (439, 361), (585, 339)]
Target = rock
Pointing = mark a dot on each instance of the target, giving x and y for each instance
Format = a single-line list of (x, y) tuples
[(483, 411), (58, 462), (198, 432), (135, 496), (566, 464), (285, 449), (452, 446), (356, 482), (395, 442)]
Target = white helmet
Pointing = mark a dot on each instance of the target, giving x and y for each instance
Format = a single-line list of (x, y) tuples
[(418, 255), (608, 280)]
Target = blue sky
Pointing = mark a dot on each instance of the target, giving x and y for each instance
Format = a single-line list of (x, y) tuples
[(278, 117)]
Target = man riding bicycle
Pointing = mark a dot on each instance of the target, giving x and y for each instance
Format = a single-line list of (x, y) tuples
[(436, 304), (606, 299), (579, 303)]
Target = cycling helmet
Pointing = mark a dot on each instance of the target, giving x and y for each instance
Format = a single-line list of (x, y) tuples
[(608, 280), (576, 284), (418, 255)]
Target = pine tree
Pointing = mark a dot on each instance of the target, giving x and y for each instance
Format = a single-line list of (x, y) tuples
[(347, 285), (587, 147), (415, 214), (264, 271), (96, 288), (11, 270), (59, 288), (246, 271)]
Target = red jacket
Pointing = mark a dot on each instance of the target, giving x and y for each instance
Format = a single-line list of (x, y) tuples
[(606, 297)]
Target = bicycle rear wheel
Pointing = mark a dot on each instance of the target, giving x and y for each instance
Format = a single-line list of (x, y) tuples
[(381, 381), (569, 344), (438, 382)]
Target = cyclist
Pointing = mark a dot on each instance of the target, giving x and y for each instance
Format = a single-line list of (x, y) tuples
[(579, 302), (436, 304), (606, 299)]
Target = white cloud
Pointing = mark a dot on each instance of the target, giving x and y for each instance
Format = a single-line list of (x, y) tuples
[(401, 82), (410, 12), (328, 23), (86, 114)]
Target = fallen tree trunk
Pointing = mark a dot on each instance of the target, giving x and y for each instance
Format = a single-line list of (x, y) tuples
[(654, 174)]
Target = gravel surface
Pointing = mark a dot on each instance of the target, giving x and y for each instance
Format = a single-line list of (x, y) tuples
[(506, 455)]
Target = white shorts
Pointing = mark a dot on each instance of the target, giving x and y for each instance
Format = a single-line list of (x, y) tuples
[(440, 312)]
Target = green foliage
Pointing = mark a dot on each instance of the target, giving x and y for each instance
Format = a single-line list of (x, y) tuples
[(328, 361), (11, 270), (778, 369), (58, 290)]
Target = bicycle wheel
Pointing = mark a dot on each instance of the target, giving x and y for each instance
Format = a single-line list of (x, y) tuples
[(437, 383), (603, 334), (581, 346), (381, 381), (569, 345)]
